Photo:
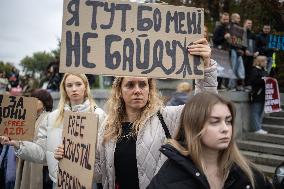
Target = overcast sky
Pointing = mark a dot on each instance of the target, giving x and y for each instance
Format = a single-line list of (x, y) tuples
[(28, 26)]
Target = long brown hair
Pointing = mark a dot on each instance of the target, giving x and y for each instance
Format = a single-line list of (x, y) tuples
[(188, 138), (116, 109)]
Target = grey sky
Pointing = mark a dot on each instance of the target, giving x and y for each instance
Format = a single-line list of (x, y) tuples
[(28, 26)]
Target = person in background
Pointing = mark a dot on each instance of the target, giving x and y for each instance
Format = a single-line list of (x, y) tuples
[(26, 171), (221, 36), (75, 96), (221, 33), (3, 83), (54, 77), (29, 84), (250, 52), (14, 80), (203, 154), (127, 156), (262, 42), (237, 51), (258, 93), (14, 77), (181, 96)]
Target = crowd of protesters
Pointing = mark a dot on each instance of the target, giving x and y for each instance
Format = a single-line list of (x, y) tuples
[(127, 153), (141, 113), (14, 84), (251, 60), (243, 53)]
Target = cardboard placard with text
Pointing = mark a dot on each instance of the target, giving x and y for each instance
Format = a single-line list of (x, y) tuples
[(224, 67), (122, 38), (236, 33), (17, 117), (272, 96), (76, 169)]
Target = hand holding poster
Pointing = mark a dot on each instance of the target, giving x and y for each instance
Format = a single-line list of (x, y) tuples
[(272, 97), (17, 117), (130, 39), (76, 169)]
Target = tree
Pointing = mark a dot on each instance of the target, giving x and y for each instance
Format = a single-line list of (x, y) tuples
[(37, 63), (6, 67)]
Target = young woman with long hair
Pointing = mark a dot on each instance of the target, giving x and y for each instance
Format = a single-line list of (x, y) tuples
[(75, 96), (129, 140), (203, 154)]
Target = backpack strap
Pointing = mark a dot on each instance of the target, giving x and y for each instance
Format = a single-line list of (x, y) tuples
[(167, 133)]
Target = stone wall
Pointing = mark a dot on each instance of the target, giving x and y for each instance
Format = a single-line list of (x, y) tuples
[(240, 100)]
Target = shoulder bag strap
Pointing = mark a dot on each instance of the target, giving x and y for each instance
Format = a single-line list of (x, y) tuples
[(167, 133)]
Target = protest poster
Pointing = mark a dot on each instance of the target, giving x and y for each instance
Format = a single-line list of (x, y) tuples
[(224, 66), (276, 42), (17, 117), (236, 33), (76, 169), (122, 38), (272, 96)]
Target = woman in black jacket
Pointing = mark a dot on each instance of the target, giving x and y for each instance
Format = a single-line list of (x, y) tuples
[(203, 154), (258, 93)]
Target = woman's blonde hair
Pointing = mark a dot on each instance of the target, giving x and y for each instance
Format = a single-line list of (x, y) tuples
[(188, 137), (64, 99), (184, 87), (117, 111)]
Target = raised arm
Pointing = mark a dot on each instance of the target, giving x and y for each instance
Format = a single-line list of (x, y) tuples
[(209, 83)]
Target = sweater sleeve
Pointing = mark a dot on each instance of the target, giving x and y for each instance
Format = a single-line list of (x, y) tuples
[(209, 83), (35, 151)]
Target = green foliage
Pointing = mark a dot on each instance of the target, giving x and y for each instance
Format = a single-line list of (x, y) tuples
[(37, 63), (6, 67)]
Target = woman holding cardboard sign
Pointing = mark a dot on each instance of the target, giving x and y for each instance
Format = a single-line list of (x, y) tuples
[(128, 153), (26, 170), (75, 96)]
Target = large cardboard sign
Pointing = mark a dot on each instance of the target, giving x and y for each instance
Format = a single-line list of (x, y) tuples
[(18, 117), (224, 67), (76, 169), (130, 39), (276, 42), (272, 97), (236, 33)]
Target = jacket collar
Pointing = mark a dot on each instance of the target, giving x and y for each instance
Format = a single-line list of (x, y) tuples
[(186, 163), (79, 107)]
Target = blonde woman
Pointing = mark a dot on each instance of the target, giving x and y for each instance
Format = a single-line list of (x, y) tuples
[(129, 140), (203, 153), (75, 96), (258, 93), (181, 96)]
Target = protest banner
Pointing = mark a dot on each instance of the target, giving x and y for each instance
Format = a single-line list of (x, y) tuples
[(236, 33), (224, 67), (130, 39), (18, 117), (276, 42), (272, 96), (76, 169)]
